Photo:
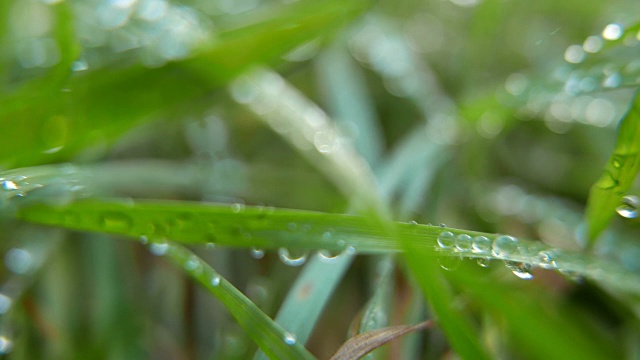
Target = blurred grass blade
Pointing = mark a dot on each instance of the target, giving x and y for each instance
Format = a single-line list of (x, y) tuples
[(81, 111), (454, 322), (310, 293), (237, 225), (362, 344), (545, 329), (619, 173), (270, 337)]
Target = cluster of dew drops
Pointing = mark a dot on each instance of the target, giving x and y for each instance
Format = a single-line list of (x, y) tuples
[(502, 247)]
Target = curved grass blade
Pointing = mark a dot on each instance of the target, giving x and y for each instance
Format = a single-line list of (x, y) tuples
[(305, 301), (270, 337), (618, 175), (360, 345), (266, 228)]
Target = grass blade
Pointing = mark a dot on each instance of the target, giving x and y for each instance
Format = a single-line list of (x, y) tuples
[(618, 175), (362, 344), (270, 337)]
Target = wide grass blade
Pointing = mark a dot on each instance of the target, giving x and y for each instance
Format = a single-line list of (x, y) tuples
[(619, 173)]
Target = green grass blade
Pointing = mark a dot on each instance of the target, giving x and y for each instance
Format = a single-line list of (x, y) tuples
[(454, 322), (239, 226), (618, 175), (545, 329), (270, 337), (308, 296)]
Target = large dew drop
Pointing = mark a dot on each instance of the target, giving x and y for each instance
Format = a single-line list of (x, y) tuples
[(464, 242), (446, 239), (481, 244), (505, 246), (629, 207), (521, 270)]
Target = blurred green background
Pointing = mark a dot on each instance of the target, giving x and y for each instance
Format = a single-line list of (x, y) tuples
[(489, 115)]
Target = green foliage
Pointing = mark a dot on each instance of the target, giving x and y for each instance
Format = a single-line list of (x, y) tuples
[(256, 137)]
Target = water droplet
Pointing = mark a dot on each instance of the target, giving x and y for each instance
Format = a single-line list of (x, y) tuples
[(79, 65), (289, 338), (505, 246), (5, 303), (617, 162), (521, 270), (325, 141), (5, 345), (629, 207), (144, 240), (607, 181), (546, 260), (481, 244), (327, 235), (210, 246), (237, 207), (287, 259), (464, 242), (449, 262), (9, 185), (18, 260), (193, 264), (159, 249), (257, 253), (613, 32), (483, 262), (350, 250), (327, 258), (446, 239), (215, 280), (442, 225), (114, 221)]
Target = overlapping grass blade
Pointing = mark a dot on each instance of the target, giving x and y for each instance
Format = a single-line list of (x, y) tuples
[(543, 328), (270, 337), (619, 173)]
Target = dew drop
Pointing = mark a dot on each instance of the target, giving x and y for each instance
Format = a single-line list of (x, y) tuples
[(237, 207), (215, 280), (442, 225), (547, 260), (446, 239), (292, 227), (257, 253), (9, 185), (289, 338), (350, 250), (326, 257), (287, 259), (629, 207), (505, 246), (327, 235), (5, 345), (144, 240), (449, 262), (159, 249), (521, 270), (193, 264), (464, 242), (613, 32), (18, 261), (481, 244), (482, 262), (210, 246)]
